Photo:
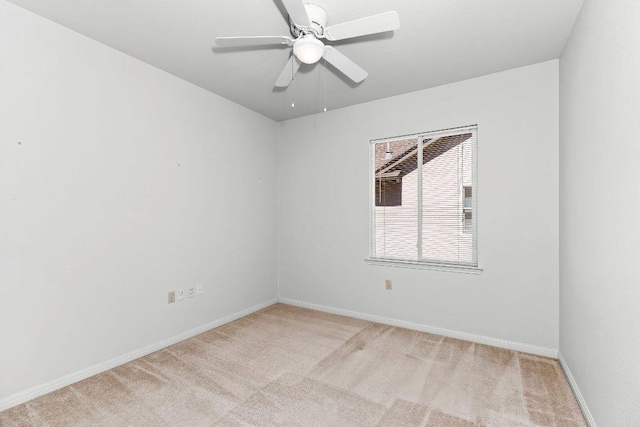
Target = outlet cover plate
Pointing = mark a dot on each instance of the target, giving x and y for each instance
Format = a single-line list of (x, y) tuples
[(180, 295), (191, 292), (199, 289)]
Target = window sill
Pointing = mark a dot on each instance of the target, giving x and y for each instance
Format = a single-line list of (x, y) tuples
[(465, 269)]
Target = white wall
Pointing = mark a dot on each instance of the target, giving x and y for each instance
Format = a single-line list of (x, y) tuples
[(129, 182), (600, 172), (324, 208)]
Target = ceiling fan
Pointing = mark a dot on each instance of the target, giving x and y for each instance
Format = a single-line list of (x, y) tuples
[(308, 24)]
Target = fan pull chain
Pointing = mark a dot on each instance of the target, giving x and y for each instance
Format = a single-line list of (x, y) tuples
[(325, 84), (293, 104)]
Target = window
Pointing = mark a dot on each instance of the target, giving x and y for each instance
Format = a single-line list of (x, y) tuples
[(424, 202)]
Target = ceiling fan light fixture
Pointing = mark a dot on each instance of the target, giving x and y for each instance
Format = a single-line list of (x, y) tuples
[(308, 49)]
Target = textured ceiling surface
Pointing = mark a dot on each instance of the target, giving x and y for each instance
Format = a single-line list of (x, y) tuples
[(439, 42)]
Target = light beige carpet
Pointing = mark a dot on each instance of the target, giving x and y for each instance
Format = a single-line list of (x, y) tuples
[(291, 366)]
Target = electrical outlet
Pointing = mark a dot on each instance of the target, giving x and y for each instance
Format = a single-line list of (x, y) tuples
[(171, 297), (199, 290), (387, 284), (179, 295), (191, 292)]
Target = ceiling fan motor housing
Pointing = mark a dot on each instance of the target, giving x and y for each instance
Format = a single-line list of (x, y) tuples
[(318, 18)]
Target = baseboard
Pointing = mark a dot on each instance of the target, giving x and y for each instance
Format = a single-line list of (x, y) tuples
[(510, 345), (576, 391), (56, 384)]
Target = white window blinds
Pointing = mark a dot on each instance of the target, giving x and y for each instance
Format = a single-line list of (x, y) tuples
[(424, 202)]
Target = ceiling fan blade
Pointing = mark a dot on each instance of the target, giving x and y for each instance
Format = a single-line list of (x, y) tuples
[(374, 24), (253, 41), (297, 12), (344, 64), (288, 72)]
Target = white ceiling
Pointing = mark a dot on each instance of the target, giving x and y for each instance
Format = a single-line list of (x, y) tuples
[(439, 41)]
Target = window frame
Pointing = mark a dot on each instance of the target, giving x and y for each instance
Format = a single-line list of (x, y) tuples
[(459, 267)]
